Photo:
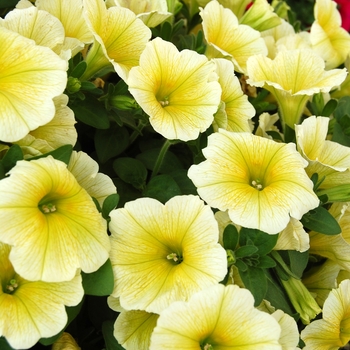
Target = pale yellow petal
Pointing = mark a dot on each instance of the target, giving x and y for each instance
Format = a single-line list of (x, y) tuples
[(85, 170), (60, 228), (222, 30), (30, 76), (122, 36), (176, 89), (41, 26), (223, 317), (160, 252), (70, 13), (238, 109), (260, 182), (133, 329)]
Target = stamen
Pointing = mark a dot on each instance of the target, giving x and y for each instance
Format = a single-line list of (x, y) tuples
[(164, 103), (256, 184), (48, 208), (12, 285), (172, 256)]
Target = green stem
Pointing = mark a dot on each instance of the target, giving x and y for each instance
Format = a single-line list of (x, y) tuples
[(161, 156), (137, 132)]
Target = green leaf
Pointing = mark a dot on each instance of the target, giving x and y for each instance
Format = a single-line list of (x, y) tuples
[(111, 142), (72, 313), (131, 171), (170, 162), (263, 241), (343, 108), (265, 262), (110, 203), (246, 250), (4, 345), (297, 261), (91, 112), (7, 3), (100, 282), (110, 341), (162, 188), (241, 266), (183, 181), (320, 220), (62, 153), (255, 280), (13, 154), (230, 237), (339, 134), (329, 108), (79, 70)]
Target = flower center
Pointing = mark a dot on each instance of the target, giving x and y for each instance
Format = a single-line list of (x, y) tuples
[(11, 287), (48, 208), (207, 347), (164, 102), (175, 257), (257, 184)]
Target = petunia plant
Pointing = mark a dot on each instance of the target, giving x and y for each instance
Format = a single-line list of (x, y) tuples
[(174, 174)]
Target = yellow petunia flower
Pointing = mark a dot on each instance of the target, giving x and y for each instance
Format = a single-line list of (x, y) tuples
[(133, 329), (328, 38), (261, 16), (237, 109), (292, 77), (217, 317), (51, 222), (58, 132), (227, 38), (333, 330), (178, 90), (30, 77), (151, 12), (120, 38), (262, 183), (85, 171), (163, 253), (30, 310)]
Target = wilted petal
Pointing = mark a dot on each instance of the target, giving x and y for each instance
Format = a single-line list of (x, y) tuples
[(60, 228), (162, 253), (176, 89), (223, 317), (30, 76)]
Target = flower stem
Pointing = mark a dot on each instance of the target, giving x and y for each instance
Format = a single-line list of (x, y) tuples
[(161, 156)]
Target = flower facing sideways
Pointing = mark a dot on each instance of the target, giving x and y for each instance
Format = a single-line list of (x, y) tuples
[(178, 90), (30, 310), (163, 253), (260, 182), (217, 317), (51, 222), (333, 330)]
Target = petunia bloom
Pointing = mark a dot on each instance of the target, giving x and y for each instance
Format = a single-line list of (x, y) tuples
[(30, 77), (30, 310), (51, 222), (227, 38), (217, 317), (237, 110), (120, 38), (333, 330), (292, 77), (178, 90), (163, 253), (328, 38), (260, 182)]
